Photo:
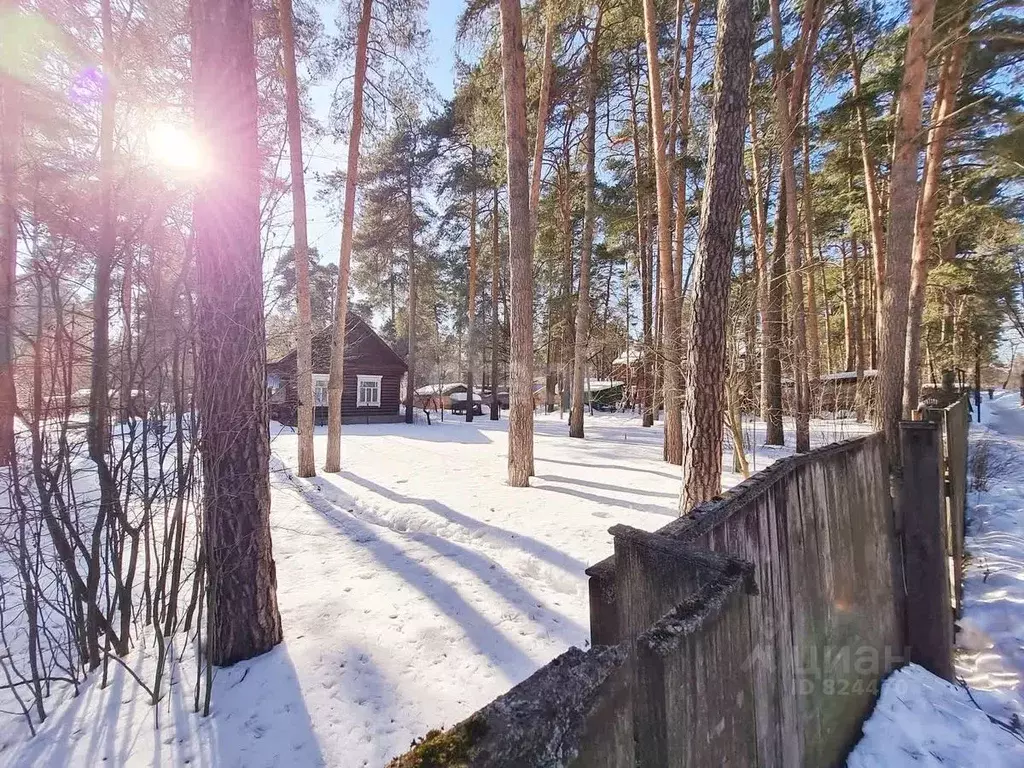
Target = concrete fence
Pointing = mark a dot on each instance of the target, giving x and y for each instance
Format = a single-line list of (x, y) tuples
[(754, 631)]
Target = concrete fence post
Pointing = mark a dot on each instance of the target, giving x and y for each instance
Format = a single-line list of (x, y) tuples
[(929, 616)]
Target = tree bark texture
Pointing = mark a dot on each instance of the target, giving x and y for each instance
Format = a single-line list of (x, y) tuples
[(669, 303), (520, 254), (336, 380), (579, 359), (242, 595), (945, 105), (900, 241), (721, 206), (303, 338)]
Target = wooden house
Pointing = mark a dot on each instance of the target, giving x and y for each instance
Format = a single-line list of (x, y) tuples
[(373, 378)]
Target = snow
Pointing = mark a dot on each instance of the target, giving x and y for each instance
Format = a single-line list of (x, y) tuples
[(923, 720), (414, 587)]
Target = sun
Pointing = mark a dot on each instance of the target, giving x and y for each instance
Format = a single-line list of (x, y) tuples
[(176, 148)]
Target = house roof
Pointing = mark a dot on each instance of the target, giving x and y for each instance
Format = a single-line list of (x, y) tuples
[(361, 342)]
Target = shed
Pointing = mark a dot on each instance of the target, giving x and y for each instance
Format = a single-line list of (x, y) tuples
[(373, 378)]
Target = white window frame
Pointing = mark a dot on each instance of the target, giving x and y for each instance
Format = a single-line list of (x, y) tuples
[(320, 378), (360, 380)]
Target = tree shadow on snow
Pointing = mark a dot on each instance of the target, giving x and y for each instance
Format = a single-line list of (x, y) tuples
[(604, 486), (258, 716), (655, 509), (480, 630), (615, 467), (539, 549)]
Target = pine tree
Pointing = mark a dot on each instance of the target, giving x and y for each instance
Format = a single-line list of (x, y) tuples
[(300, 253), (242, 583), (724, 191), (520, 258), (336, 381)]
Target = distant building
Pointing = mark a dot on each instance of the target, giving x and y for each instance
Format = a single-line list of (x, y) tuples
[(373, 378)]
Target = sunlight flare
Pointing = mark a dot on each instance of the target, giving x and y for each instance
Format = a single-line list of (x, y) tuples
[(176, 148)]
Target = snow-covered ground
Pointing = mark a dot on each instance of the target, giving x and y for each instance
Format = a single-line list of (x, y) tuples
[(414, 587), (922, 720)]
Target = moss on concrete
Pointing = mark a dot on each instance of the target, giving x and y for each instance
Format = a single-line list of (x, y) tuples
[(445, 749)]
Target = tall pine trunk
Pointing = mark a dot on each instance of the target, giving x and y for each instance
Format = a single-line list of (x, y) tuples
[(579, 359), (682, 111), (900, 242), (520, 244), (942, 112), (471, 291), (770, 297), (495, 283), (669, 303), (336, 381), (242, 582), (644, 266), (794, 243), (721, 205), (874, 197), (304, 335), (10, 134), (543, 108), (99, 393), (410, 388)]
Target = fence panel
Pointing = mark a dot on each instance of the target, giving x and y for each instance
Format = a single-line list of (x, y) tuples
[(956, 424)]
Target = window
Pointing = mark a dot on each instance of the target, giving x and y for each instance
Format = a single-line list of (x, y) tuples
[(368, 391), (320, 389)]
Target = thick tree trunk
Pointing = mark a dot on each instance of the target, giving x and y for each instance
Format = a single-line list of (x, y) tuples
[(304, 334), (495, 282), (673, 448), (471, 291), (587, 240), (520, 253), (945, 104), (794, 243), (900, 243), (10, 134), (336, 381), (242, 594), (721, 205)]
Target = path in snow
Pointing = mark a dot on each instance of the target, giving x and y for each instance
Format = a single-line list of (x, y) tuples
[(414, 588), (992, 627)]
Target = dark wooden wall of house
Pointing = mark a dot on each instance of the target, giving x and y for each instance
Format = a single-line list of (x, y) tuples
[(365, 354)]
